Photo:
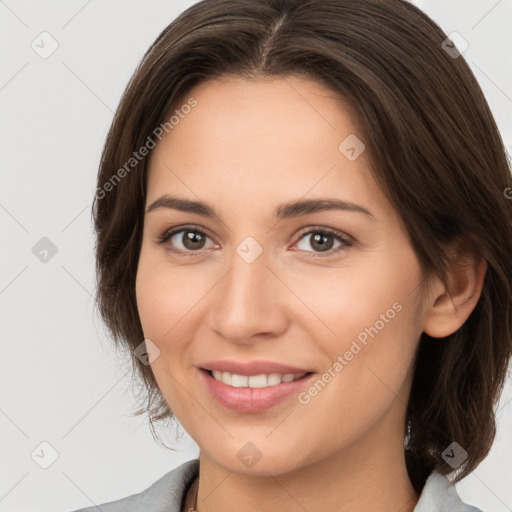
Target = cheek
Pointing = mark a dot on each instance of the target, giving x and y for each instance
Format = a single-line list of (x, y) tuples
[(374, 326), (344, 301), (163, 301), (165, 296)]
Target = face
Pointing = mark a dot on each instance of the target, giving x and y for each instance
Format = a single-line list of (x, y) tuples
[(330, 291)]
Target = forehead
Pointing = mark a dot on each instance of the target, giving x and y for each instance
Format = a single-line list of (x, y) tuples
[(261, 139), (292, 107)]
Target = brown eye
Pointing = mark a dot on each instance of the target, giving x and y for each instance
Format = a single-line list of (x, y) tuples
[(322, 241), (183, 240), (192, 240)]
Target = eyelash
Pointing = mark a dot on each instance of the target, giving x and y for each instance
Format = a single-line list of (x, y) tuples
[(344, 239)]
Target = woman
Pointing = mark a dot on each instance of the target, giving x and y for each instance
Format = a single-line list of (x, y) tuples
[(304, 238)]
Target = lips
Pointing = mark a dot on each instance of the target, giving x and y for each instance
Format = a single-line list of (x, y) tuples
[(253, 367), (253, 400)]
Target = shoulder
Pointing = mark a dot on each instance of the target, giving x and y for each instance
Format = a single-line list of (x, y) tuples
[(440, 495), (165, 495)]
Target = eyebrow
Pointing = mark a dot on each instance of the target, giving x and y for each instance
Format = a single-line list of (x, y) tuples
[(282, 211)]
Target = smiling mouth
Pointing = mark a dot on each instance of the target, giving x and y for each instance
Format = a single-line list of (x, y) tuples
[(253, 393), (262, 380)]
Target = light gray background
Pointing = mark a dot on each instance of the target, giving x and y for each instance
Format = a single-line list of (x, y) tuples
[(61, 381)]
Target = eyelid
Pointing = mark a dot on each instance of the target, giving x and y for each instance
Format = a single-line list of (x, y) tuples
[(176, 229), (324, 229)]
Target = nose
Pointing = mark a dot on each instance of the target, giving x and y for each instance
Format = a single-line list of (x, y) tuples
[(250, 300)]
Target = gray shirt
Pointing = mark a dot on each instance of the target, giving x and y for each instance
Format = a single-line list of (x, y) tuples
[(168, 494)]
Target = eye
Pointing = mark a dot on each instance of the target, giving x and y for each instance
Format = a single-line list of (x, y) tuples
[(322, 240), (188, 239)]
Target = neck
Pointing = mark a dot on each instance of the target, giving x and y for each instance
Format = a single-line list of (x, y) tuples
[(348, 481)]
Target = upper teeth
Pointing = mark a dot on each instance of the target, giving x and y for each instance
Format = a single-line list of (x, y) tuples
[(254, 381)]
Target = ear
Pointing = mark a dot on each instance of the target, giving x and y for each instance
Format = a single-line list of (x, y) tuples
[(447, 309)]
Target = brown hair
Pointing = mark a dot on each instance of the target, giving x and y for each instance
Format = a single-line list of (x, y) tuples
[(435, 151)]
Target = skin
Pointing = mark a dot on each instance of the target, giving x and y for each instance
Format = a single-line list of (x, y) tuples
[(247, 146)]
